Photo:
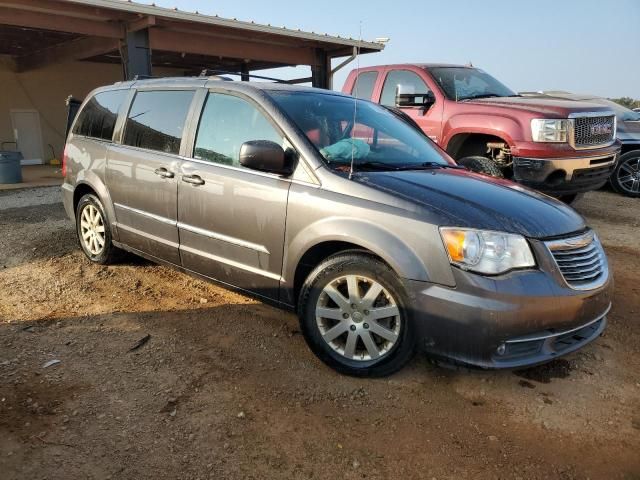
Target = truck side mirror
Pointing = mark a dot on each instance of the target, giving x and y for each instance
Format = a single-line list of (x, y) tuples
[(407, 97)]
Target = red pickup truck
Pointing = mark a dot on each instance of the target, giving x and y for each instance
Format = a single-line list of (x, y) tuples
[(559, 147)]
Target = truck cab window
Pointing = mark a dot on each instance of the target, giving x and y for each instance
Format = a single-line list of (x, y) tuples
[(406, 78), (364, 84)]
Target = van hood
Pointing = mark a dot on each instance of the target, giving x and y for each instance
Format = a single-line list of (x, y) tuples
[(554, 108), (460, 198)]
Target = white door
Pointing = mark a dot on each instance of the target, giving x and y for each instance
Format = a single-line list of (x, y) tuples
[(27, 134)]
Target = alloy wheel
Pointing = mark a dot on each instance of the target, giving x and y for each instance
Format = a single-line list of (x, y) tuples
[(92, 229), (629, 175), (358, 318)]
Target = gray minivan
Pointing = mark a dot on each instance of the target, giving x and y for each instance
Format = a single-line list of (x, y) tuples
[(340, 210)]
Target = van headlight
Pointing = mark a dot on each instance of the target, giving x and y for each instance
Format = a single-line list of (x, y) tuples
[(486, 251), (549, 130)]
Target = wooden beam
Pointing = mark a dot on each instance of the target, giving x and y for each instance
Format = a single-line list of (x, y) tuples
[(60, 23), (141, 23), (66, 52), (170, 41)]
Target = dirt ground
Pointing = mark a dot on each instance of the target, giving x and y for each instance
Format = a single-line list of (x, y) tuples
[(225, 387)]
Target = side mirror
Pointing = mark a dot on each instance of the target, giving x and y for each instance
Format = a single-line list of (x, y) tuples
[(407, 97), (265, 156)]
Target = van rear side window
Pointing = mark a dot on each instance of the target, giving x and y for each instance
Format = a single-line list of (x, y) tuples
[(156, 120), (98, 117)]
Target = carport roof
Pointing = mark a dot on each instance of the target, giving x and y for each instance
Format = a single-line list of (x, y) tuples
[(35, 33), (196, 17)]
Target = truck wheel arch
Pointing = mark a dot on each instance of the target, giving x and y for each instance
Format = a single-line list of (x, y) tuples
[(470, 144)]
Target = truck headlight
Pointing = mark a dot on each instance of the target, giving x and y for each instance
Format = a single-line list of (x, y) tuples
[(486, 251), (546, 130)]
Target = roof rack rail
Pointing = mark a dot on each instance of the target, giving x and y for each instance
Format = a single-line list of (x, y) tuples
[(144, 77), (213, 71)]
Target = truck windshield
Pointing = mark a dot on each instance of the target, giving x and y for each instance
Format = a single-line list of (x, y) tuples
[(343, 128), (464, 83)]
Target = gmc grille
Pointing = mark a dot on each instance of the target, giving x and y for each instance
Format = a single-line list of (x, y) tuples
[(593, 131), (581, 260)]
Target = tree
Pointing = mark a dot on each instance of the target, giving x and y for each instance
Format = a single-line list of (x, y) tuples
[(627, 102)]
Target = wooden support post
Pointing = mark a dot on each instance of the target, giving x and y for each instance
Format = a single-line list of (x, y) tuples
[(136, 54), (321, 70)]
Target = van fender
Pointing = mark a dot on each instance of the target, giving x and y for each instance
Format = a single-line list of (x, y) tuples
[(95, 182), (400, 256)]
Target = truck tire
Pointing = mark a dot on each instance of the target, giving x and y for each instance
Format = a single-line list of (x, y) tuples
[(353, 315), (625, 179), (481, 164)]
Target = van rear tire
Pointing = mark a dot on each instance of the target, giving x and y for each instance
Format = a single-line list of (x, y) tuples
[(94, 232)]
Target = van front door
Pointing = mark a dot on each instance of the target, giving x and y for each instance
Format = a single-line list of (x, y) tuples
[(231, 219)]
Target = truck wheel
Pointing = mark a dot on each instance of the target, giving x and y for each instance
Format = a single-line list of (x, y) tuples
[(353, 315), (481, 164), (93, 231), (625, 179)]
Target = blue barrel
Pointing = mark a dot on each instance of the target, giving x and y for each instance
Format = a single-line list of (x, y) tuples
[(10, 168)]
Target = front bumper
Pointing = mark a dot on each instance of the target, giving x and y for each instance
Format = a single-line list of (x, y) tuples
[(514, 320), (564, 176)]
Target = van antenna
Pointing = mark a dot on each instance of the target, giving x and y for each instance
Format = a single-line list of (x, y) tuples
[(355, 101)]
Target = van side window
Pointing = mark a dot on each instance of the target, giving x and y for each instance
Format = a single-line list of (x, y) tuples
[(226, 123), (156, 120), (406, 78), (98, 117), (363, 86)]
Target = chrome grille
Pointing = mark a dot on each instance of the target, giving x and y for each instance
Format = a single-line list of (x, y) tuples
[(581, 260), (593, 131)]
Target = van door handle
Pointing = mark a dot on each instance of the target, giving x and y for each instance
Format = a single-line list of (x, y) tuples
[(163, 172), (193, 179)]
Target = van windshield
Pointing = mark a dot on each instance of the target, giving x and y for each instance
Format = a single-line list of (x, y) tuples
[(464, 83), (343, 128)]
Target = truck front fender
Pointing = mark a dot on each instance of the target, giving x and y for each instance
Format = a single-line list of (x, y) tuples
[(507, 128)]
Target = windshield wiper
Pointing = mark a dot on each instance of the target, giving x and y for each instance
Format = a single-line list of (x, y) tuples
[(401, 168), (475, 97)]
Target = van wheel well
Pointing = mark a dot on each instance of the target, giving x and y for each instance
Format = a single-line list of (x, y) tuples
[(80, 191), (471, 145), (316, 255)]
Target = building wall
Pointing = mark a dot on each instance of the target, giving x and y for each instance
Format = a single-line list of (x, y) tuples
[(46, 90)]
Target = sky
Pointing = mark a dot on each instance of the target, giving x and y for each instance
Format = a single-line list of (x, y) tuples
[(583, 46)]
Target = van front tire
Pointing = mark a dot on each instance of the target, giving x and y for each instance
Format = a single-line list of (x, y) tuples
[(353, 315)]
